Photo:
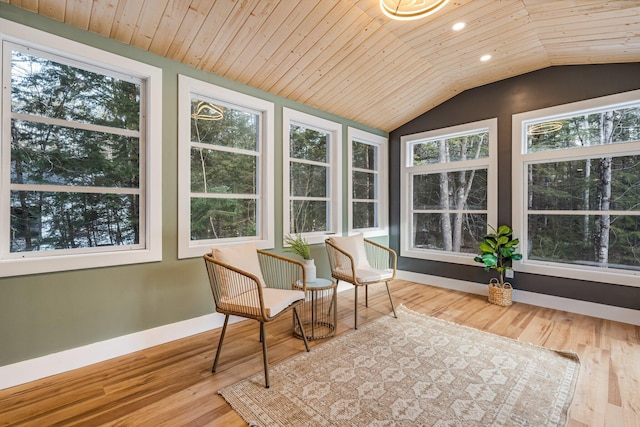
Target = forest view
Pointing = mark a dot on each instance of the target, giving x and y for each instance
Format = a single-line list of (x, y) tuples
[(225, 165), (584, 207), (450, 206), (75, 162), (364, 178), (309, 177), (75, 174)]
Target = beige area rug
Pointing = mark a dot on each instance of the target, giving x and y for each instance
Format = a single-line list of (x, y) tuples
[(412, 371)]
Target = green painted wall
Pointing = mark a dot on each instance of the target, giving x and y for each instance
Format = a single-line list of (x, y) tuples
[(47, 313)]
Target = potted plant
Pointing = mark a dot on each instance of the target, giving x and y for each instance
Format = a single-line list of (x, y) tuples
[(498, 250), (299, 246)]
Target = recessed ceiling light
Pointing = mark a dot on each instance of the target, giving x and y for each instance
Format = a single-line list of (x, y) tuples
[(458, 26), (485, 57)]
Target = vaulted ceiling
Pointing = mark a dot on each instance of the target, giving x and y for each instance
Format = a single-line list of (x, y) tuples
[(345, 57)]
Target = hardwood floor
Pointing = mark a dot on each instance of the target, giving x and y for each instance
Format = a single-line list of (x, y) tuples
[(172, 384)]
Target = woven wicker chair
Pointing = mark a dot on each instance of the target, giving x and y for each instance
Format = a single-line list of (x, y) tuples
[(361, 262), (254, 284)]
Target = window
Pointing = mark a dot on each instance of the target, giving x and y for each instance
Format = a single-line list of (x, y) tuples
[(312, 148), (80, 156), (577, 185), (449, 189), (368, 183), (225, 168)]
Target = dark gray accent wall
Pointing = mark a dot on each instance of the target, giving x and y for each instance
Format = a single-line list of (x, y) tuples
[(539, 89)]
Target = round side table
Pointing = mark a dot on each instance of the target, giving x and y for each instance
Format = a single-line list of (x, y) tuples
[(318, 313)]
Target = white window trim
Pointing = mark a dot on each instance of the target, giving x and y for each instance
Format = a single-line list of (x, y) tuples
[(335, 175), (407, 171), (265, 240), (151, 172), (521, 159), (382, 190)]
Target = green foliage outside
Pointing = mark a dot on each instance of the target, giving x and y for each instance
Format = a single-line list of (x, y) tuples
[(585, 210), (225, 165), (53, 152), (309, 180), (449, 207)]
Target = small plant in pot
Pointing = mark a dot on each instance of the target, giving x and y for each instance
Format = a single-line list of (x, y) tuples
[(299, 246), (498, 250)]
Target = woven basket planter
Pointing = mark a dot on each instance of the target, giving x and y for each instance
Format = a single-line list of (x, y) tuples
[(500, 294)]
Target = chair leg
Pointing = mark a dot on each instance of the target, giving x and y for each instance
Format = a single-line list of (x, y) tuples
[(355, 310), (304, 335), (391, 300), (366, 296), (264, 355), (224, 329)]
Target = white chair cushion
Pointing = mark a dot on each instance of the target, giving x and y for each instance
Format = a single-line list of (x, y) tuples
[(368, 274), (243, 257), (275, 300), (354, 246)]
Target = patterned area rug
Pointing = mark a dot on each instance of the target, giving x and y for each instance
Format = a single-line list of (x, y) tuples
[(412, 371)]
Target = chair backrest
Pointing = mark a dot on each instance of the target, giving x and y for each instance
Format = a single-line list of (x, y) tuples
[(352, 246), (281, 272), (244, 259), (357, 260)]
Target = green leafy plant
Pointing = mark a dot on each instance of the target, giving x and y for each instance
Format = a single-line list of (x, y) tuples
[(498, 250), (297, 245)]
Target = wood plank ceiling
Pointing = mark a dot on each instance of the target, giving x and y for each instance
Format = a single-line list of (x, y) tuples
[(345, 57)]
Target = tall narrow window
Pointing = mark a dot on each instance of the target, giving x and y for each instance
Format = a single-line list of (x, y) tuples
[(225, 173), (448, 191), (577, 168), (368, 183), (311, 185), (76, 161)]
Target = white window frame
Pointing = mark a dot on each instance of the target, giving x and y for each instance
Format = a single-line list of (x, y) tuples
[(334, 219), (187, 87), (406, 185), (382, 184), (521, 159), (149, 248)]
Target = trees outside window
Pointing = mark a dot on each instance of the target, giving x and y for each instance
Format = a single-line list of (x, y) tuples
[(579, 168), (367, 186), (226, 170), (77, 159), (448, 191), (311, 175)]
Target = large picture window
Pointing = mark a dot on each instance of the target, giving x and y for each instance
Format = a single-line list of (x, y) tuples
[(226, 168), (367, 186), (448, 194), (311, 175), (578, 168), (76, 158)]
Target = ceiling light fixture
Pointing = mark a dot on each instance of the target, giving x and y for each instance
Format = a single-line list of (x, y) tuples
[(458, 26), (406, 10), (542, 128), (207, 111), (485, 58)]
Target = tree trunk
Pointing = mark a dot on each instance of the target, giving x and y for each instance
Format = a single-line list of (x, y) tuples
[(604, 194), (586, 195), (445, 205)]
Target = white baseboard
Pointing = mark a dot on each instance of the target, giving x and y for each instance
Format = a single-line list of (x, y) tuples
[(603, 311), (67, 360), (52, 364)]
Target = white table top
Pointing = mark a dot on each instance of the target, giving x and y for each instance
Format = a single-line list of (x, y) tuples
[(319, 283)]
